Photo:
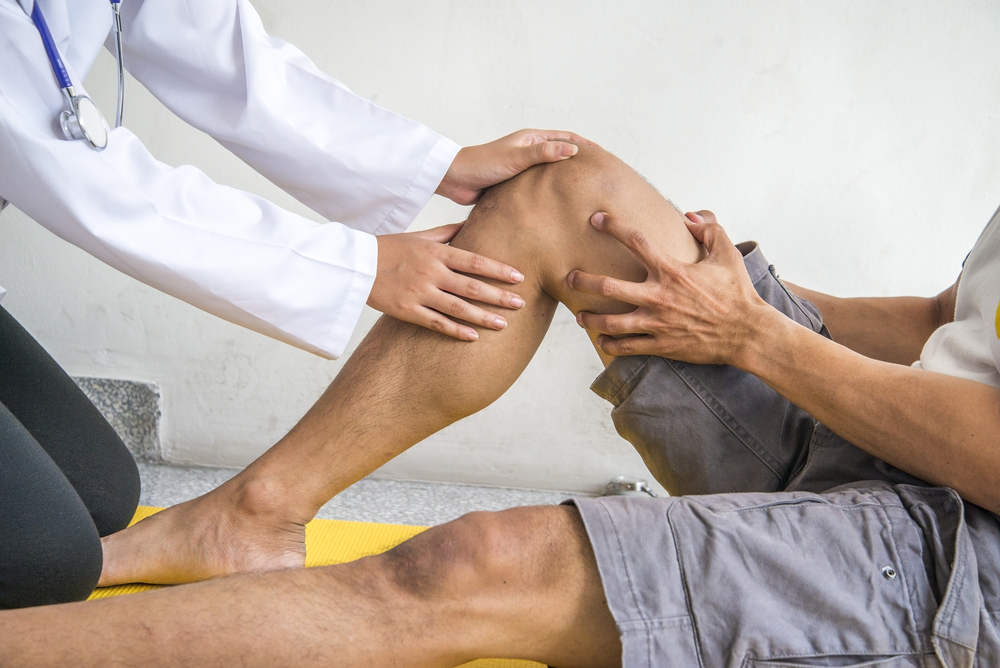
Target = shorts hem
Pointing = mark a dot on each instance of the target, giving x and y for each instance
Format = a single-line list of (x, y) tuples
[(643, 638)]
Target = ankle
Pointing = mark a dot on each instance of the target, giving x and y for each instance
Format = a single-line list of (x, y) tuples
[(267, 498)]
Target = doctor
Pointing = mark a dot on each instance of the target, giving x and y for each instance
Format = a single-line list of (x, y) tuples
[(64, 476)]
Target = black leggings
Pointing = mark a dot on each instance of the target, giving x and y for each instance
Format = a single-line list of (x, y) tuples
[(66, 478)]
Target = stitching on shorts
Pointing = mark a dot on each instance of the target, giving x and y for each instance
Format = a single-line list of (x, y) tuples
[(725, 417), (797, 302), (869, 656), (658, 623), (631, 586), (958, 578), (684, 583), (910, 591), (812, 447), (810, 502), (622, 391)]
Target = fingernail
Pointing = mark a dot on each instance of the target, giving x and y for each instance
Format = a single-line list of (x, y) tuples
[(696, 217), (471, 335), (516, 276), (499, 322), (579, 318), (568, 150), (516, 302), (571, 277), (597, 220)]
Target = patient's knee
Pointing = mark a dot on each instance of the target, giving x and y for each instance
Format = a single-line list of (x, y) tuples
[(451, 558), (546, 189), (549, 206), (479, 552)]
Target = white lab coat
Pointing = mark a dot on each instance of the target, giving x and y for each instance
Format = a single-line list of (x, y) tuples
[(228, 252)]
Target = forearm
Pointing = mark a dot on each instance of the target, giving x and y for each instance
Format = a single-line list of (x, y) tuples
[(939, 428), (891, 329), (336, 152)]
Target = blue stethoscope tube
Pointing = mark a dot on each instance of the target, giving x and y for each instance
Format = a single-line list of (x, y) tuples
[(83, 120), (58, 67)]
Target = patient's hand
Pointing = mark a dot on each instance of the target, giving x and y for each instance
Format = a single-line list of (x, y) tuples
[(476, 168), (704, 313)]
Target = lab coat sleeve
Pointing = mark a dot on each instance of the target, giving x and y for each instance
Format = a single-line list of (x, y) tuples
[(212, 63), (225, 251)]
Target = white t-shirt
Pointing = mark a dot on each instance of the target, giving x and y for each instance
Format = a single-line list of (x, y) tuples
[(969, 347)]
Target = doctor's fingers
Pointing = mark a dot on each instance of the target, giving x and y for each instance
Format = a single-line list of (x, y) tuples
[(468, 287), (533, 136), (456, 308), (468, 262)]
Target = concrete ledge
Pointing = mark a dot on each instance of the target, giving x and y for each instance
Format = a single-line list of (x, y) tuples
[(133, 409)]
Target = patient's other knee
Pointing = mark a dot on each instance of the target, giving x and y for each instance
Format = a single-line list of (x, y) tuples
[(462, 555), (481, 552)]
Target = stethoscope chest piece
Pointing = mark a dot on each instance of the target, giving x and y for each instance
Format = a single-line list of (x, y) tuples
[(84, 121)]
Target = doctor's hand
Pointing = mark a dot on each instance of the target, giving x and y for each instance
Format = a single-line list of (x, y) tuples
[(476, 168), (418, 281), (704, 313)]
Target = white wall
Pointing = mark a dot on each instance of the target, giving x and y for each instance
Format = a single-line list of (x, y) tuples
[(857, 141)]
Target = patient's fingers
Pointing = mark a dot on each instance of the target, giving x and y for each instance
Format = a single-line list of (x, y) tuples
[(636, 241), (619, 324), (705, 215), (628, 345), (608, 287)]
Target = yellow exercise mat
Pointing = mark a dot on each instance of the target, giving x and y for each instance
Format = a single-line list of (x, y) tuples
[(331, 542)]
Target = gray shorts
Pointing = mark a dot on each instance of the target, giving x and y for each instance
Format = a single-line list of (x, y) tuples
[(784, 545)]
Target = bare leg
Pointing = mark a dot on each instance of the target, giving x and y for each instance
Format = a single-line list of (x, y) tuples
[(522, 584), (404, 383)]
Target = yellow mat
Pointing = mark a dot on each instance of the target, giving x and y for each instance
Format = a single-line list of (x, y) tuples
[(334, 542)]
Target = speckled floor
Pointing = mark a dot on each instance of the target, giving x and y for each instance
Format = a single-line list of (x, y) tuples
[(389, 501)]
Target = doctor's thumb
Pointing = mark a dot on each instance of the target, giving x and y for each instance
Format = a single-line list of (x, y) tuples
[(550, 151), (442, 234)]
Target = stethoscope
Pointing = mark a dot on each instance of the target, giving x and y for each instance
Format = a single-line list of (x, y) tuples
[(83, 120)]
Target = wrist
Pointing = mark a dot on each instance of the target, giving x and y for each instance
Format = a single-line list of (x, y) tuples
[(765, 330), (449, 183), (446, 188)]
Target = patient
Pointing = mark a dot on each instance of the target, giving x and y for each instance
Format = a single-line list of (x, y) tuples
[(834, 552)]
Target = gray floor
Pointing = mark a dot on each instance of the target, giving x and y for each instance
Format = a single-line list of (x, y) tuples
[(389, 501)]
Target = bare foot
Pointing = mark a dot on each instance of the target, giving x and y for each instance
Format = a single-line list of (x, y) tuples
[(229, 530)]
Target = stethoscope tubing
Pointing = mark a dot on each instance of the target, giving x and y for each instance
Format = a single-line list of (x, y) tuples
[(58, 67), (89, 124), (120, 109)]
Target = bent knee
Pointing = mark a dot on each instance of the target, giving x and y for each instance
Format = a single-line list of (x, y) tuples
[(547, 209), (56, 564), (483, 551), (114, 507), (566, 187)]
